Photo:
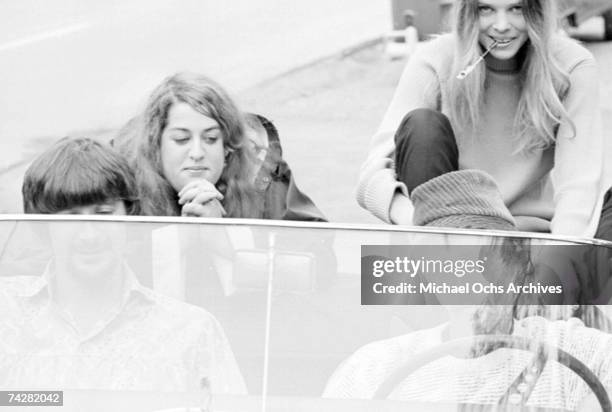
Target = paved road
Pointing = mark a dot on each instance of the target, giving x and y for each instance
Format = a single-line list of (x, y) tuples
[(70, 65), (74, 67)]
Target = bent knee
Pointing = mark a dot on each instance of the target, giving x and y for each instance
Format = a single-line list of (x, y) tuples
[(424, 127), (424, 115)]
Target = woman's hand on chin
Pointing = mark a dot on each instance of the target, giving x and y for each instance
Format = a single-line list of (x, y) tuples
[(201, 198), (212, 208)]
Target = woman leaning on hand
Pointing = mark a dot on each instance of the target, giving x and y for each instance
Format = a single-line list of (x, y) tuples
[(527, 116), (196, 154)]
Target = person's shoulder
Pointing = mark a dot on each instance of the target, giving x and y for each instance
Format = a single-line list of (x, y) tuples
[(442, 42), (571, 335), (18, 285), (569, 53), (402, 347), (434, 55), (363, 372), (13, 289)]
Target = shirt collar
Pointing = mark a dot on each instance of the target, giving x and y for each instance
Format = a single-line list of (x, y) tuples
[(41, 286)]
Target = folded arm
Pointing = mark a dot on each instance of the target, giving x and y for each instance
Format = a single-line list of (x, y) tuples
[(378, 189)]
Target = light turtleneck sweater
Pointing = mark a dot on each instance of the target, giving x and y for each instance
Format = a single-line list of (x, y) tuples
[(558, 189)]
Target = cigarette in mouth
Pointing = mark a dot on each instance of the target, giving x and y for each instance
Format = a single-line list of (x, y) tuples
[(465, 72)]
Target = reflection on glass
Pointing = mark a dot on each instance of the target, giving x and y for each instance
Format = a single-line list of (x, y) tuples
[(90, 311), (88, 323), (487, 370)]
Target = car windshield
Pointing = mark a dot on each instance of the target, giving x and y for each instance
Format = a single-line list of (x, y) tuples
[(284, 315)]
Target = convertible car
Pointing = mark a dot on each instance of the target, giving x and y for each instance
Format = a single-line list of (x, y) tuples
[(244, 315)]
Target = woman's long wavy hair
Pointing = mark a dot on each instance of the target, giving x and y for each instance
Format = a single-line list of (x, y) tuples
[(544, 84), (140, 141)]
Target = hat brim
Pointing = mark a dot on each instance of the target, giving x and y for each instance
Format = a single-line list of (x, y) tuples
[(473, 222)]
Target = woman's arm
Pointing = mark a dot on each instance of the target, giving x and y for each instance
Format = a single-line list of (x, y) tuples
[(578, 171), (378, 189)]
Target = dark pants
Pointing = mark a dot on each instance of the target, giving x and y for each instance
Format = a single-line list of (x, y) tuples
[(598, 259), (425, 147), (604, 230)]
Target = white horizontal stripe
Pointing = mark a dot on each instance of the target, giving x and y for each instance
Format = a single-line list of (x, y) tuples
[(37, 37)]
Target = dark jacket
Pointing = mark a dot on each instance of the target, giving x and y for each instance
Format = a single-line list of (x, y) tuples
[(283, 200)]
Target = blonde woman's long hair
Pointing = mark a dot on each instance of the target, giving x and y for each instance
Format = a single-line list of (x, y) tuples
[(544, 84)]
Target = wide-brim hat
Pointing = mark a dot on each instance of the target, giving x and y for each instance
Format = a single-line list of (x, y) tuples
[(468, 199)]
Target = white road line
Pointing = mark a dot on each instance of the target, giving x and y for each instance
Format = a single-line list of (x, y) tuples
[(44, 36)]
